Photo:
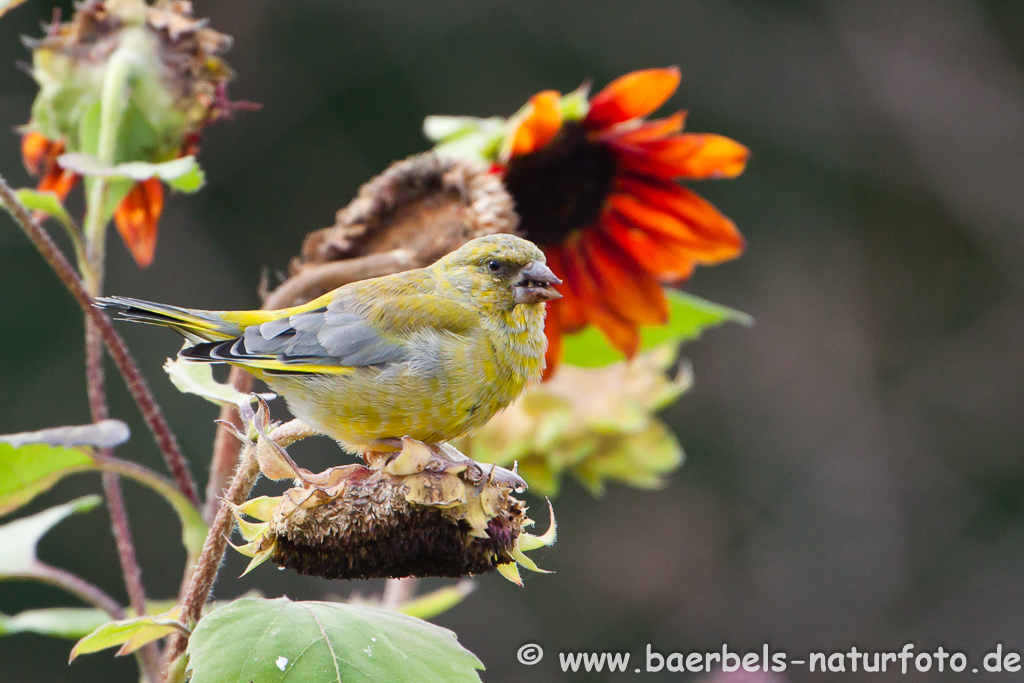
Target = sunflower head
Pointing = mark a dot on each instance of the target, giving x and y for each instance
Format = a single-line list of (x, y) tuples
[(427, 510), (174, 81), (177, 76), (595, 184)]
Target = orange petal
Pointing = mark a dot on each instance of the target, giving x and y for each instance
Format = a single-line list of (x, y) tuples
[(137, 216), (37, 151), (667, 227), (542, 122), (698, 221), (687, 155), (668, 260), (645, 131), (553, 331), (621, 333), (629, 290), (58, 181), (570, 312), (633, 95)]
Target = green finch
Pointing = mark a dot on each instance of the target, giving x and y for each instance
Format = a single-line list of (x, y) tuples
[(431, 353)]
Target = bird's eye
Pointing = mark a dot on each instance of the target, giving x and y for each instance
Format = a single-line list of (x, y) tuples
[(494, 266)]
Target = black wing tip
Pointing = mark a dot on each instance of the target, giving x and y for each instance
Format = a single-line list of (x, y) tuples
[(111, 303)]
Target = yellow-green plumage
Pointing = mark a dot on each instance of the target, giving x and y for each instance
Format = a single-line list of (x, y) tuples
[(431, 353)]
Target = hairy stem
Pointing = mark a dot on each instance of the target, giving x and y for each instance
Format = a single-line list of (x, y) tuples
[(118, 350), (246, 474), (112, 106), (225, 448), (205, 574)]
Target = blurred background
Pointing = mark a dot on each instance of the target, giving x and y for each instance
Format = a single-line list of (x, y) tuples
[(855, 469)]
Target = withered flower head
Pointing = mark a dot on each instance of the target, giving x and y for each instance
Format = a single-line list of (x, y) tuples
[(597, 424), (177, 84), (424, 511), (415, 212)]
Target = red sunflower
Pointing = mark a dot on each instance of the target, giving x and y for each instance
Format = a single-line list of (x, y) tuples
[(598, 193)]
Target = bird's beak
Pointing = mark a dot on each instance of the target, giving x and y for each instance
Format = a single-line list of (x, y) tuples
[(536, 284)]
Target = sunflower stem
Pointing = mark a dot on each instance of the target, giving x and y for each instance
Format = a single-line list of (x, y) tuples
[(112, 107), (204, 576)]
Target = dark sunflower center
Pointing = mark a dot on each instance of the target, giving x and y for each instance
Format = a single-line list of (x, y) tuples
[(561, 187)]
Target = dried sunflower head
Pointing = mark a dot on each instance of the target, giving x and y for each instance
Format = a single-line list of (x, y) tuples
[(427, 510)]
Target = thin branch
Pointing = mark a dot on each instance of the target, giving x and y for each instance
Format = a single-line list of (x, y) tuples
[(111, 484), (148, 406), (397, 592), (77, 586), (116, 77)]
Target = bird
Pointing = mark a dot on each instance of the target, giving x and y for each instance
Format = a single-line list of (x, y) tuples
[(430, 354)]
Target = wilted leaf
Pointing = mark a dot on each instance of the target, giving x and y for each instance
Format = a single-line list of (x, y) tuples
[(324, 642), (59, 622), (597, 423), (27, 471), (131, 634), (182, 174), (689, 316), (197, 378), (103, 434), (19, 538)]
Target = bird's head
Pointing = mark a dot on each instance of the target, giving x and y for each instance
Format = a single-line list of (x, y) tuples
[(500, 270)]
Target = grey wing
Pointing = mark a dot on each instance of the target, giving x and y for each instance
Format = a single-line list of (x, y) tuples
[(329, 336)]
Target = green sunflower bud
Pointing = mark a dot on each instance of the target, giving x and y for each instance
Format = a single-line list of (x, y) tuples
[(168, 58)]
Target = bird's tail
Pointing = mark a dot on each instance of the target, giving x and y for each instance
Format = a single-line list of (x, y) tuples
[(194, 325)]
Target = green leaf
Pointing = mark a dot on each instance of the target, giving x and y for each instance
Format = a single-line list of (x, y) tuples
[(429, 605), (26, 471), (689, 316), (47, 202), (265, 641), (20, 537), (58, 622), (182, 174), (197, 378), (465, 137), (130, 634)]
